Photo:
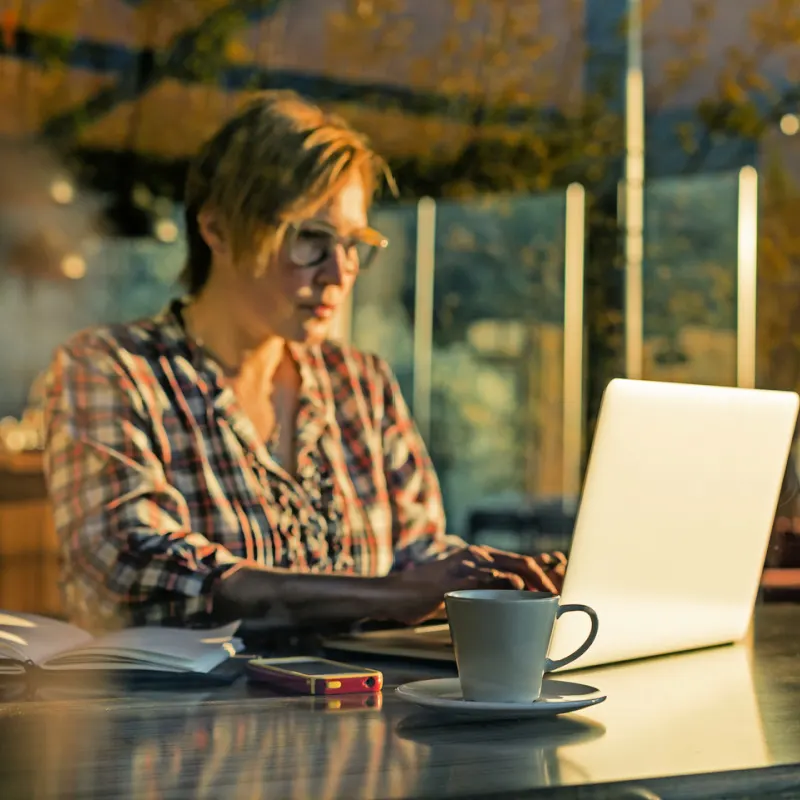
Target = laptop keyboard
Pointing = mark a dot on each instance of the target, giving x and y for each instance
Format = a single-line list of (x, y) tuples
[(437, 636)]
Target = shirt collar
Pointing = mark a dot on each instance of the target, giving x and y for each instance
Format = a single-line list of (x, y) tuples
[(309, 360)]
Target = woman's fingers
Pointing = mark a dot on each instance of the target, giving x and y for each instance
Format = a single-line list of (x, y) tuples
[(541, 573), (477, 577), (532, 573), (554, 566)]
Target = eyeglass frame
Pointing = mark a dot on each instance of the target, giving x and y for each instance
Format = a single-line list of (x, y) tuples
[(368, 235)]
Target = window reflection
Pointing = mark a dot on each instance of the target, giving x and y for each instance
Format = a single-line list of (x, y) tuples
[(497, 351), (124, 280), (690, 279), (497, 343), (383, 299)]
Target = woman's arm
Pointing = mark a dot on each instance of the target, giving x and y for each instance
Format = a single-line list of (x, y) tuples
[(288, 599), (131, 555)]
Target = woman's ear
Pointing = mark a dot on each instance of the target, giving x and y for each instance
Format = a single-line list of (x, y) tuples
[(213, 232)]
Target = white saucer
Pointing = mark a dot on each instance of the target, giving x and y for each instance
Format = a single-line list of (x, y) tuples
[(558, 697)]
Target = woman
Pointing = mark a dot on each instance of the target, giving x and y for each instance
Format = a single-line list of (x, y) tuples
[(224, 459)]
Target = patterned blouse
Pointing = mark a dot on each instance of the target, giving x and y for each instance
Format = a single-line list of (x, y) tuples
[(160, 484)]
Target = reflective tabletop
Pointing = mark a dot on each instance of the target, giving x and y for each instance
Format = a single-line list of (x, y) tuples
[(723, 722)]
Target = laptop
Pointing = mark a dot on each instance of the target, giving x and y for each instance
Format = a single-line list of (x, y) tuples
[(672, 529)]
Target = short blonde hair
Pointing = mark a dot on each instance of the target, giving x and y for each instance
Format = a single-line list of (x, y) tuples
[(275, 162)]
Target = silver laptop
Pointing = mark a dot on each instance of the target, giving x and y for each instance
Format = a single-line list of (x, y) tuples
[(673, 526)]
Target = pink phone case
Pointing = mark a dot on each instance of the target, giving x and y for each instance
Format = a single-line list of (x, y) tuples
[(280, 674)]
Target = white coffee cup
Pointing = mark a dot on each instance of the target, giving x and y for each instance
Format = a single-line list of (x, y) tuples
[(501, 638)]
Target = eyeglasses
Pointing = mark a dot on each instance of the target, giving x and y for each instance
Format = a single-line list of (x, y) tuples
[(311, 244)]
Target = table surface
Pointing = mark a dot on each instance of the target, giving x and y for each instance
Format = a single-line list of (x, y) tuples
[(28, 462), (712, 723)]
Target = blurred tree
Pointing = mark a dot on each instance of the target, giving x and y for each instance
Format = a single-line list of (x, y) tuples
[(196, 49), (466, 97), (750, 90), (754, 83), (514, 115), (514, 74), (779, 280), (505, 79)]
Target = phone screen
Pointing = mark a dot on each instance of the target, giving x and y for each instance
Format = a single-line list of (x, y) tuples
[(314, 667)]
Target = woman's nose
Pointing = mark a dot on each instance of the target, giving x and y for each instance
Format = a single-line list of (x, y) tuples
[(335, 268)]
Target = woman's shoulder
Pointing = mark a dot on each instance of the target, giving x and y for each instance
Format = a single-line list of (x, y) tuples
[(145, 338), (128, 356), (119, 363)]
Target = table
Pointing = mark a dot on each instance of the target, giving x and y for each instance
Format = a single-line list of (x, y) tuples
[(781, 585), (723, 722), (29, 568)]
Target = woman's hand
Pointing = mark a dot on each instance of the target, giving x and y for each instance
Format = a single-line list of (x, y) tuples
[(417, 594)]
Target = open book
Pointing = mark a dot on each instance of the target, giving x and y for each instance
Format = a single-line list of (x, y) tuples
[(52, 645)]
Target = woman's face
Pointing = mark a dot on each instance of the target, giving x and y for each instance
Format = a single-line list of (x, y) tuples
[(300, 292)]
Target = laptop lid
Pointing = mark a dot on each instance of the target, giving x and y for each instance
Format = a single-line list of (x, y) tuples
[(675, 517)]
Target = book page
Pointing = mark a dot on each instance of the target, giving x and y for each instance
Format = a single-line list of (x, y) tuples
[(29, 637), (153, 648)]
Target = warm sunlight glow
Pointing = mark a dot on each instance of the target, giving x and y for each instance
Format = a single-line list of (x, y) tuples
[(16, 622), (74, 267), (790, 124), (62, 191), (216, 640), (166, 231), (13, 638)]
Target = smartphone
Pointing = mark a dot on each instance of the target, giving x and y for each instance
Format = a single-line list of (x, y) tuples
[(304, 675)]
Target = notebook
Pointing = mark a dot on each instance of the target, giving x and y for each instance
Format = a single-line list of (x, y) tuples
[(53, 646)]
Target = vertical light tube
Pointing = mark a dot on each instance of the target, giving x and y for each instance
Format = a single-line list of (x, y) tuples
[(423, 314), (747, 279), (634, 194), (572, 432)]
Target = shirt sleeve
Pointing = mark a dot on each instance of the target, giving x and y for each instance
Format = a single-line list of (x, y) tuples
[(418, 519), (131, 557)]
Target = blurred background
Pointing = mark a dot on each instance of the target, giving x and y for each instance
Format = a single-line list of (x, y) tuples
[(589, 189)]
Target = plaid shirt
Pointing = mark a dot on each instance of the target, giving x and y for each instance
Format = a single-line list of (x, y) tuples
[(160, 484)]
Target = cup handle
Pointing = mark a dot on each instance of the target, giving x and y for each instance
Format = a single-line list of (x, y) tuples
[(550, 665)]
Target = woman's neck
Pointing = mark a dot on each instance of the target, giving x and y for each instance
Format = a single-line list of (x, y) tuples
[(238, 350)]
